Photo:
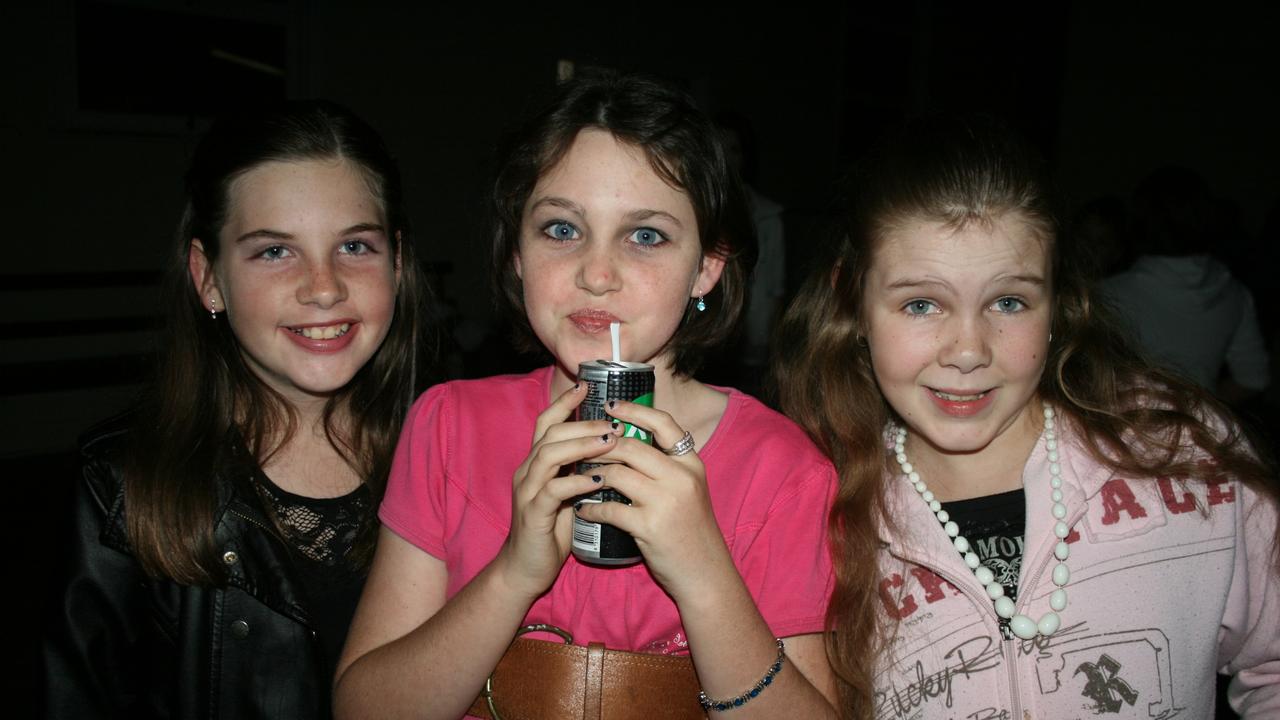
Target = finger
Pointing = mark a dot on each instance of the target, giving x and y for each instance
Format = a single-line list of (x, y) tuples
[(620, 515), (581, 428), (559, 490), (547, 458), (559, 410), (638, 488), (666, 431), (651, 461)]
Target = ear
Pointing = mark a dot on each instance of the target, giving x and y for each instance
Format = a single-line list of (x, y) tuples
[(835, 273), (515, 259), (708, 274), (202, 276)]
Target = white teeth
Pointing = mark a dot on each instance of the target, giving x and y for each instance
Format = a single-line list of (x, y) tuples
[(327, 332), (958, 398)]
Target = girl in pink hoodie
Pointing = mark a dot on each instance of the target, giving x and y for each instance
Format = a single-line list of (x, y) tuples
[(1058, 530)]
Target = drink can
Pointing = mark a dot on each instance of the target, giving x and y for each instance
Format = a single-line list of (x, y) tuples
[(601, 543)]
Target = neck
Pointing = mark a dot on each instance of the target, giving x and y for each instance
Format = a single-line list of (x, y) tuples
[(990, 470)]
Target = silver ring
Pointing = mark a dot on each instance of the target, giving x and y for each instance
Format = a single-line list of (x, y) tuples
[(683, 447)]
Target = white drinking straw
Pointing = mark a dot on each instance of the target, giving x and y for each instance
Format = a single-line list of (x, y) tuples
[(617, 343)]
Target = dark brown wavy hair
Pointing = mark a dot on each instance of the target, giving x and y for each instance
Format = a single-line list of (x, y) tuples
[(1132, 417), (684, 149), (205, 401)]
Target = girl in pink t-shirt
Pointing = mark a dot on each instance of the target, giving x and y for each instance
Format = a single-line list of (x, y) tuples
[(615, 205)]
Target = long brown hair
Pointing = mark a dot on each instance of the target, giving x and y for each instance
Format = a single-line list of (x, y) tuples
[(1132, 417), (205, 401)]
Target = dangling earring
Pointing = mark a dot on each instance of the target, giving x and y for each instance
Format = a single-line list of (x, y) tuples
[(213, 308), (702, 303), (1051, 338)]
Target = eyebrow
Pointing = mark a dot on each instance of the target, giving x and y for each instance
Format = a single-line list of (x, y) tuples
[(1036, 280), (634, 216), (278, 235)]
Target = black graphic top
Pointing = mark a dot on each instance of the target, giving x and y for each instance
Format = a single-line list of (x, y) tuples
[(994, 526)]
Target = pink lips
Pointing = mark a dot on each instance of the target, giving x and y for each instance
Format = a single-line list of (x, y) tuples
[(592, 321), (330, 345), (961, 403)]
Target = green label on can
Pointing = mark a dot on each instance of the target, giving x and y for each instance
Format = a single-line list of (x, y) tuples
[(636, 432)]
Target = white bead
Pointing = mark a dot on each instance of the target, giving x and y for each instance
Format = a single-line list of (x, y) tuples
[(1061, 574), (1055, 468), (1061, 550), (1058, 600), (899, 448), (906, 466), (901, 457), (1023, 626), (1056, 495), (914, 476), (921, 487), (984, 575), (943, 516), (927, 495), (1004, 607), (1051, 444), (972, 560), (935, 506), (1061, 530), (961, 544), (995, 590), (1048, 411), (1055, 482), (1059, 510), (951, 528), (1049, 623), (1053, 456), (1048, 422)]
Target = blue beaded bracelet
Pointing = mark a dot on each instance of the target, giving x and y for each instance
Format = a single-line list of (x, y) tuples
[(722, 705)]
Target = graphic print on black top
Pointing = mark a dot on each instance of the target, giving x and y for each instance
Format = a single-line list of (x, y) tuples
[(994, 526)]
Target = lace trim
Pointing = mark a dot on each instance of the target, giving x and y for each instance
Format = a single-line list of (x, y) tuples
[(322, 529)]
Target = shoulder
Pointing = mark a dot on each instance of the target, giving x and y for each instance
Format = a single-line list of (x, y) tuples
[(102, 450), (500, 393), (748, 422)]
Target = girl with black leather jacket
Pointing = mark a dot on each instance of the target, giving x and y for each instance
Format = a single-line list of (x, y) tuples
[(222, 530)]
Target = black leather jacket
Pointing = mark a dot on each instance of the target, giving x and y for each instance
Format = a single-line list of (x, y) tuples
[(123, 645)]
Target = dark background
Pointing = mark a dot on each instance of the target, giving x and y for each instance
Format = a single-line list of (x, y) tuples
[(102, 103)]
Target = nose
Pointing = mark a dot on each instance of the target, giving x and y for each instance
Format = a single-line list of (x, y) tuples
[(966, 344), (598, 269), (323, 285)]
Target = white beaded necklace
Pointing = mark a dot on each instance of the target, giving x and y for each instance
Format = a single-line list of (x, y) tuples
[(1021, 625)]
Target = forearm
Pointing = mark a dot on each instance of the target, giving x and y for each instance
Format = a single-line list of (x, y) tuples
[(438, 669), (733, 649)]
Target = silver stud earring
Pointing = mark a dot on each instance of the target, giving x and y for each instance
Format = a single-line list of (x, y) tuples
[(702, 303), (213, 308)]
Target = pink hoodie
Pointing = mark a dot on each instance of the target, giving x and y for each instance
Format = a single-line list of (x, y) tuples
[(1170, 583)]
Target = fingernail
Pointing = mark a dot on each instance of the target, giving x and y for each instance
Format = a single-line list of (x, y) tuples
[(577, 506), (597, 479), (577, 385), (615, 425), (613, 404), (605, 437)]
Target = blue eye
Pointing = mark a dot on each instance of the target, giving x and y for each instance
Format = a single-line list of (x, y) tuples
[(647, 236), (560, 230), (1009, 305), (356, 247), (920, 307), (274, 252)]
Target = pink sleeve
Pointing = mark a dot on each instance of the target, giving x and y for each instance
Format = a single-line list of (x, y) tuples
[(414, 506), (1249, 642), (785, 565)]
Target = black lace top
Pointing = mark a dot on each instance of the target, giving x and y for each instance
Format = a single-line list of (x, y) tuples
[(321, 532)]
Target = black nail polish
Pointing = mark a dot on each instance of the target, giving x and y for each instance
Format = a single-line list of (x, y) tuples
[(613, 404), (605, 437), (615, 424), (577, 385), (577, 506), (597, 479)]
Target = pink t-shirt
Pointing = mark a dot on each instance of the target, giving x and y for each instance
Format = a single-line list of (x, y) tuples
[(450, 495)]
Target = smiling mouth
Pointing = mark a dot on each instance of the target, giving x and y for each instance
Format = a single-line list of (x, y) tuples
[(951, 397), (322, 332)]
